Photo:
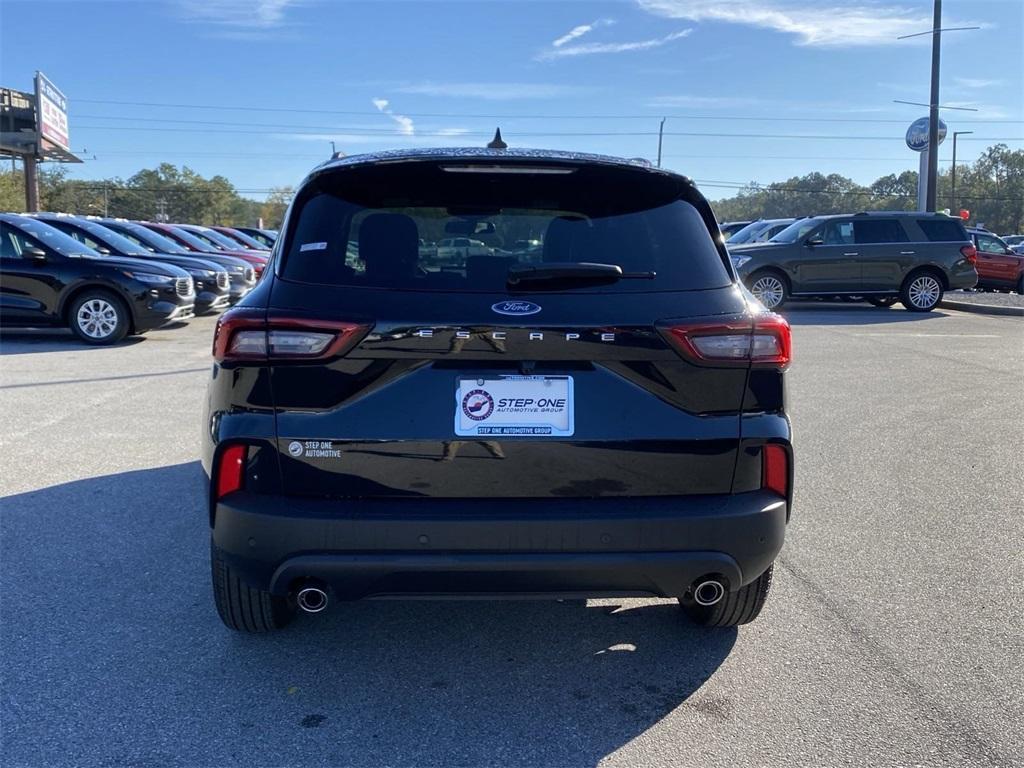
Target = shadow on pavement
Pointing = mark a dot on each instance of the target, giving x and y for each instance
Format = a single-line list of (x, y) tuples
[(113, 654), (30, 341), (851, 313)]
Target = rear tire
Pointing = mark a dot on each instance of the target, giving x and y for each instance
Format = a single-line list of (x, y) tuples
[(769, 288), (243, 608), (739, 607), (921, 291), (882, 301), (99, 317)]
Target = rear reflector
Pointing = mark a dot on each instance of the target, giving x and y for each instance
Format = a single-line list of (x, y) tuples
[(764, 341), (970, 253), (244, 334), (775, 470), (231, 470)]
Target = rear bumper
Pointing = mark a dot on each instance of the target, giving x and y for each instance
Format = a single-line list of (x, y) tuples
[(605, 546)]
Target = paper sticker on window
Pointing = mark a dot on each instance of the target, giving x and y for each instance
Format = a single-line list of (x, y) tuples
[(313, 247)]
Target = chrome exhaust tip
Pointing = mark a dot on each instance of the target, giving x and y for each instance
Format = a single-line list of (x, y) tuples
[(311, 599), (708, 592)]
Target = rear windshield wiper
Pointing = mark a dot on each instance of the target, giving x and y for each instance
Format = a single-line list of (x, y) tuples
[(572, 272)]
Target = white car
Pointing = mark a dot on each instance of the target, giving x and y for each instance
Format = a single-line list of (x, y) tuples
[(460, 248)]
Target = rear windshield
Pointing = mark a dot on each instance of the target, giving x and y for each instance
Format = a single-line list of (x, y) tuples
[(429, 229)]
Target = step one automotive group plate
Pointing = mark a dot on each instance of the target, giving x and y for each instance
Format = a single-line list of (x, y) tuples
[(514, 406)]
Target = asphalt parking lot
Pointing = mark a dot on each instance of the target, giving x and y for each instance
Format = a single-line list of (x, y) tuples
[(894, 635)]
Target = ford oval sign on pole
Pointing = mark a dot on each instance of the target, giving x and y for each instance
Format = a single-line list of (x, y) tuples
[(917, 140), (917, 134)]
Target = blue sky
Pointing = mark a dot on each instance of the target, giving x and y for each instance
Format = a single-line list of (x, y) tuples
[(592, 76)]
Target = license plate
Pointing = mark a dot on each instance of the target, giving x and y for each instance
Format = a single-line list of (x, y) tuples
[(514, 406)]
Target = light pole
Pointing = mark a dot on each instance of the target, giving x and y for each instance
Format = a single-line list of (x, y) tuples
[(661, 132), (933, 110), (952, 193)]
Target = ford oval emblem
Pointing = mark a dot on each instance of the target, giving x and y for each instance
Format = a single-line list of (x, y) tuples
[(516, 308)]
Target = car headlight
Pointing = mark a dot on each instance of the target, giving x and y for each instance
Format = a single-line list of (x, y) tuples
[(149, 277), (238, 270), (739, 261)]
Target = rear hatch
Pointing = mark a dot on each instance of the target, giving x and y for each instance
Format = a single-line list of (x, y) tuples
[(534, 361)]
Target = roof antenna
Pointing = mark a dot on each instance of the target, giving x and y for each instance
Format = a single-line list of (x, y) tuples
[(497, 142)]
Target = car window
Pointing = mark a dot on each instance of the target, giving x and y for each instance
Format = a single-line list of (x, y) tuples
[(668, 239), (13, 242), (991, 244), (867, 231), (838, 233), (52, 238), (795, 231), (943, 230), (79, 236)]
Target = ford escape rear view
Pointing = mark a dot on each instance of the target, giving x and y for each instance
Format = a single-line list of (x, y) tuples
[(586, 404)]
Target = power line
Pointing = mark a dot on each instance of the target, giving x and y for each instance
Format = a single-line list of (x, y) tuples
[(515, 116), (593, 134)]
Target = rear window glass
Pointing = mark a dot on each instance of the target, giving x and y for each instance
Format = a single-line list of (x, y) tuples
[(943, 230), (433, 230)]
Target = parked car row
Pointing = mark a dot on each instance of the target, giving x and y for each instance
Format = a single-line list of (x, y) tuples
[(107, 278)]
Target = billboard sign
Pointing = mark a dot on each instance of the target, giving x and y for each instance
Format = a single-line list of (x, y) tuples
[(52, 111), (917, 134)]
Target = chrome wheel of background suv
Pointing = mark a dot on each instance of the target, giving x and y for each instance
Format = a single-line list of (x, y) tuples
[(922, 293), (769, 290)]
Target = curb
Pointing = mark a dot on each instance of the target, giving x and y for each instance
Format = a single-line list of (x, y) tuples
[(983, 309)]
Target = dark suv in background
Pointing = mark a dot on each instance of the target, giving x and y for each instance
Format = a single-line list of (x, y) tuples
[(50, 279), (599, 414), (211, 281), (883, 257)]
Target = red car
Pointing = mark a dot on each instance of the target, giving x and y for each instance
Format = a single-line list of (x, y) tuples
[(181, 234), (244, 240), (999, 268)]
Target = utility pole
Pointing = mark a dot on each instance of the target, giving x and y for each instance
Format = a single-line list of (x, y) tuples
[(952, 193), (661, 133), (933, 110), (31, 183)]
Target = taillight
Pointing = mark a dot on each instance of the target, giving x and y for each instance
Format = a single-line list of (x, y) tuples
[(775, 469), (970, 253), (231, 470), (244, 334), (764, 341)]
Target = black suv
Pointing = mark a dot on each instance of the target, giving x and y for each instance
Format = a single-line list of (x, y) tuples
[(241, 276), (210, 280), (883, 257), (599, 415), (50, 279)]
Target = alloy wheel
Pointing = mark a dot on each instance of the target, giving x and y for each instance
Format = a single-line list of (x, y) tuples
[(769, 291), (924, 292), (97, 318)]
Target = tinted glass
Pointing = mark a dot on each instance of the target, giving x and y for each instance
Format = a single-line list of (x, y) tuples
[(53, 238), (357, 240), (95, 235), (216, 238), (838, 233), (748, 233), (194, 241), (147, 238), (943, 230), (867, 231), (796, 231)]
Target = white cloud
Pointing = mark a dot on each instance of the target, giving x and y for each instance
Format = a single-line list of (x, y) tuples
[(580, 31), (405, 124), (976, 82), (252, 16), (588, 49), (826, 24), (492, 91), (452, 131)]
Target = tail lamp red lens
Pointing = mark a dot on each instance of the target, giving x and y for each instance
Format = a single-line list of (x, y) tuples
[(970, 253), (764, 341), (247, 335), (231, 470), (775, 469)]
